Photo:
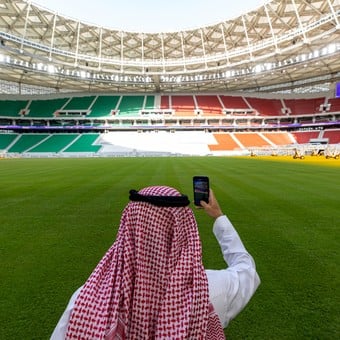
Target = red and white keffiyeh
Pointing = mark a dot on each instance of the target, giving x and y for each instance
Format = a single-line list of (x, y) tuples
[(151, 283)]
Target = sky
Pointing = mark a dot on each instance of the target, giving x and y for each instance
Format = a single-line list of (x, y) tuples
[(150, 16)]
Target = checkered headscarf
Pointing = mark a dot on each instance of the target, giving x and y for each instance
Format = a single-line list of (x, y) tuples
[(151, 283)]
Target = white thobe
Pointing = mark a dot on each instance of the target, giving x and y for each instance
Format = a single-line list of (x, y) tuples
[(230, 289)]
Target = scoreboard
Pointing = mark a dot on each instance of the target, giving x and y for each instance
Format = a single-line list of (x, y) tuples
[(337, 90)]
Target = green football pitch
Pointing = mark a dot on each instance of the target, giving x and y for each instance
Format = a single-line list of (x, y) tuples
[(59, 216)]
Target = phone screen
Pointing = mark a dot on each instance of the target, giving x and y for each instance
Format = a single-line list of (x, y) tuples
[(201, 189)]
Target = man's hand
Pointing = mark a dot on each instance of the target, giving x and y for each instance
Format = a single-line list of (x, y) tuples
[(212, 208)]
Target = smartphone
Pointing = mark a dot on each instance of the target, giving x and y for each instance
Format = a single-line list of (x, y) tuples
[(201, 189)]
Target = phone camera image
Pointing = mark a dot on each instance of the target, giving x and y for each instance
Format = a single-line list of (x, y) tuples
[(201, 189)]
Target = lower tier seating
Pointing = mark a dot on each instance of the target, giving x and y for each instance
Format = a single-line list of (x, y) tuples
[(177, 142)]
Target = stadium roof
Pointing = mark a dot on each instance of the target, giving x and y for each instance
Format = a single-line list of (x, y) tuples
[(150, 15), (281, 45)]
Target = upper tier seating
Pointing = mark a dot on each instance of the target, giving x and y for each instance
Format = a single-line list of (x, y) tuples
[(79, 103), (304, 106), (234, 103), (210, 105), (183, 105), (149, 103), (131, 105), (103, 106), (266, 107), (12, 108), (40, 108), (334, 104), (165, 103)]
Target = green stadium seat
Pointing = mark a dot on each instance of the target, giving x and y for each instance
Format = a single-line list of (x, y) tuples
[(45, 108), (12, 108), (6, 139), (131, 105), (27, 141), (103, 106), (55, 143), (79, 103), (84, 143)]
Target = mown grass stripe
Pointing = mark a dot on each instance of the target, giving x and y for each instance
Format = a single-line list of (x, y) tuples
[(59, 216)]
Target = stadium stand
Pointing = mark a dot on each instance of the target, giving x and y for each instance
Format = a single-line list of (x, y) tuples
[(130, 105), (279, 138), (47, 143), (224, 142), (266, 107), (235, 104), (241, 140), (165, 103), (303, 137), (159, 141), (334, 105), (40, 108), (79, 103), (149, 103), (210, 105), (183, 105), (251, 139), (84, 143), (104, 106), (304, 106), (228, 124), (6, 139), (12, 108), (27, 141), (333, 136), (54, 143)]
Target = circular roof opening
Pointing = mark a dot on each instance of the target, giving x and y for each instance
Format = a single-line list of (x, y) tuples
[(150, 16)]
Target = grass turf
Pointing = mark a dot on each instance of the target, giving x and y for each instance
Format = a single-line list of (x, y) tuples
[(59, 216)]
